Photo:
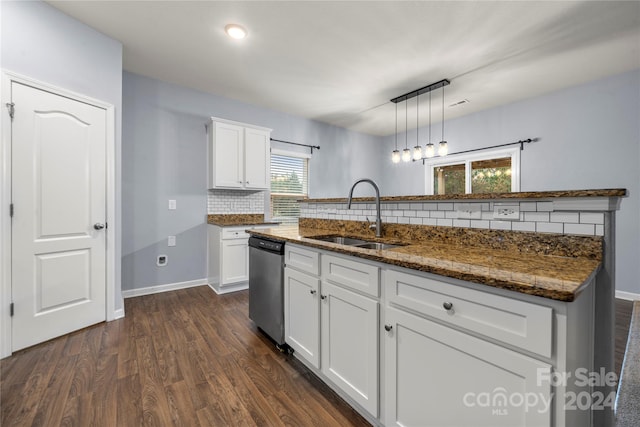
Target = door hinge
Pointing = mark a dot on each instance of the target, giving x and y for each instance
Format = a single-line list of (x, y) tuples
[(11, 310), (106, 225), (11, 210), (11, 107)]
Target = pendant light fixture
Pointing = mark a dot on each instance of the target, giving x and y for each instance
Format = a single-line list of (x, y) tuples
[(395, 155), (406, 153), (417, 150), (442, 147), (429, 150)]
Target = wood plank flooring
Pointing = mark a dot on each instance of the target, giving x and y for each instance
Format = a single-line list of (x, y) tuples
[(182, 358)]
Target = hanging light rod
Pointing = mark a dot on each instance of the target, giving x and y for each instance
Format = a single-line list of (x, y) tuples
[(521, 143), (429, 88), (317, 147)]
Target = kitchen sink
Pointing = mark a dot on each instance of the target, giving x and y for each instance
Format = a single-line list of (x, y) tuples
[(359, 243), (350, 241)]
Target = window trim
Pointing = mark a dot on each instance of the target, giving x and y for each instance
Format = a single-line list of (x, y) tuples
[(467, 159)]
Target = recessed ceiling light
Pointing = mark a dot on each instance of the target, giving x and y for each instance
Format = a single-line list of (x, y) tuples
[(235, 31)]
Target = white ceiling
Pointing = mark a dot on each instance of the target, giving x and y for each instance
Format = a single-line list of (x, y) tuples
[(341, 62)]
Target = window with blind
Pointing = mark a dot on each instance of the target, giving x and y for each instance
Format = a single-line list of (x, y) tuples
[(289, 183), (491, 171)]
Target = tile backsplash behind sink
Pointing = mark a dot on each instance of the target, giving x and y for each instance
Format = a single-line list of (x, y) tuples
[(235, 201)]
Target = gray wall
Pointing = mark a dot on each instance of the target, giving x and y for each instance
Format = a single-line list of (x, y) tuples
[(165, 157), (42, 43), (589, 138)]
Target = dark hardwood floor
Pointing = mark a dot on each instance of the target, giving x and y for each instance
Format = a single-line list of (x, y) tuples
[(182, 358)]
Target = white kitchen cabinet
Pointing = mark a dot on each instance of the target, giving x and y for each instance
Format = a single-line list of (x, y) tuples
[(302, 314), (438, 376), (228, 266), (349, 343), (239, 155)]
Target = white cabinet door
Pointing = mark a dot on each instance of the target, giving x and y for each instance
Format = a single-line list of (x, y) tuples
[(302, 315), (437, 376), (235, 261), (227, 157), (350, 344), (257, 155)]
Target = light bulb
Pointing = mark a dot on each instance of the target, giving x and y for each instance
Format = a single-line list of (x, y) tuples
[(395, 156), (406, 155), (429, 151), (235, 31), (442, 148), (417, 152)]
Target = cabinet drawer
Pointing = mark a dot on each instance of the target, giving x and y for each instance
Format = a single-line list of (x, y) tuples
[(303, 259), (522, 324), (352, 274), (234, 233)]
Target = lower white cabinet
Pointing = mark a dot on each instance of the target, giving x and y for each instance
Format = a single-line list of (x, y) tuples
[(228, 265), (349, 343), (438, 376), (302, 314)]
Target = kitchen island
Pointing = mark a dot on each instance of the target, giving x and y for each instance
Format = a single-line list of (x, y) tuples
[(458, 314)]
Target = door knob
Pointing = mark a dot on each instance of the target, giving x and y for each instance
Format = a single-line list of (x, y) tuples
[(98, 226), (388, 328)]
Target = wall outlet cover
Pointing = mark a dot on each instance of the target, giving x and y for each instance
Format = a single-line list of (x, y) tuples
[(469, 211), (506, 212), (172, 204), (171, 241)]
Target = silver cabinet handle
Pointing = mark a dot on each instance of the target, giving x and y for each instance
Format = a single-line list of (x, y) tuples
[(447, 305), (312, 291), (388, 328), (98, 226), (323, 296)]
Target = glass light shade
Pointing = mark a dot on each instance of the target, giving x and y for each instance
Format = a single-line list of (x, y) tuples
[(429, 151), (417, 152), (395, 156), (406, 155), (442, 148), (235, 31)]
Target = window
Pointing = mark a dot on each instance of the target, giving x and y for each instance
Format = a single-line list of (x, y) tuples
[(289, 183), (490, 171)]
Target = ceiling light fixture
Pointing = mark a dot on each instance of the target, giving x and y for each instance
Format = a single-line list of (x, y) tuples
[(442, 147), (235, 31), (417, 150), (395, 156)]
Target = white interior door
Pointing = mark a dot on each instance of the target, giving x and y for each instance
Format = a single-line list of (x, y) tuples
[(58, 247)]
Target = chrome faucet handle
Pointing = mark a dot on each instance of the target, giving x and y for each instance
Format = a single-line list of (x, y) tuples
[(372, 224)]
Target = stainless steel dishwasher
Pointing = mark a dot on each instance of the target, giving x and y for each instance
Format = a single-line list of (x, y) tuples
[(266, 287)]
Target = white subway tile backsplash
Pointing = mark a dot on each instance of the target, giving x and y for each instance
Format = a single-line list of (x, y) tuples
[(409, 213), (599, 230), (417, 206), (461, 223), (235, 202), (479, 223), (416, 221), (536, 216), (549, 227), (451, 214), (403, 220), (487, 215), (528, 207), (571, 217), (500, 225), (591, 218), (544, 206), (445, 206), (583, 229), (523, 226), (437, 214), (429, 221), (444, 222), (423, 214)]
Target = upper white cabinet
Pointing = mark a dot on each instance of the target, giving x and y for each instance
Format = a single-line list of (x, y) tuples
[(239, 155)]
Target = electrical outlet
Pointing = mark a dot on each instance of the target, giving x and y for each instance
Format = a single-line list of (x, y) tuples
[(171, 241), (162, 260), (506, 212), (172, 205), (468, 211)]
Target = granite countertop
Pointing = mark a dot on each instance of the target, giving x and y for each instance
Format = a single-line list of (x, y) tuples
[(534, 273), (234, 220), (613, 192), (628, 401)]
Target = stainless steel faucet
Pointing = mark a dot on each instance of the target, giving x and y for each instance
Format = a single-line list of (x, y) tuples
[(378, 225)]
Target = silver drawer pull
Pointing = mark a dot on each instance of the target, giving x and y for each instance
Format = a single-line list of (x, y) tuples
[(312, 291), (447, 305)]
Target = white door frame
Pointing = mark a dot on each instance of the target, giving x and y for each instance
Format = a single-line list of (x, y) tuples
[(5, 199)]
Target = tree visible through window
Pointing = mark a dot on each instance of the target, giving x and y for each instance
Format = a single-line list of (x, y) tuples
[(288, 184)]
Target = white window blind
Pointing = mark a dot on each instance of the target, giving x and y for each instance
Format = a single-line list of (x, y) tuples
[(289, 183)]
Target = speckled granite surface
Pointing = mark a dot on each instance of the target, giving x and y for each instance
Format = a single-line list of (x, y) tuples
[(628, 402), (614, 192), (533, 269), (230, 220)]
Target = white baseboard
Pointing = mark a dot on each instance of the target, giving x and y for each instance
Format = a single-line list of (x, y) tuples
[(129, 293), (240, 286), (628, 295), (118, 314)]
